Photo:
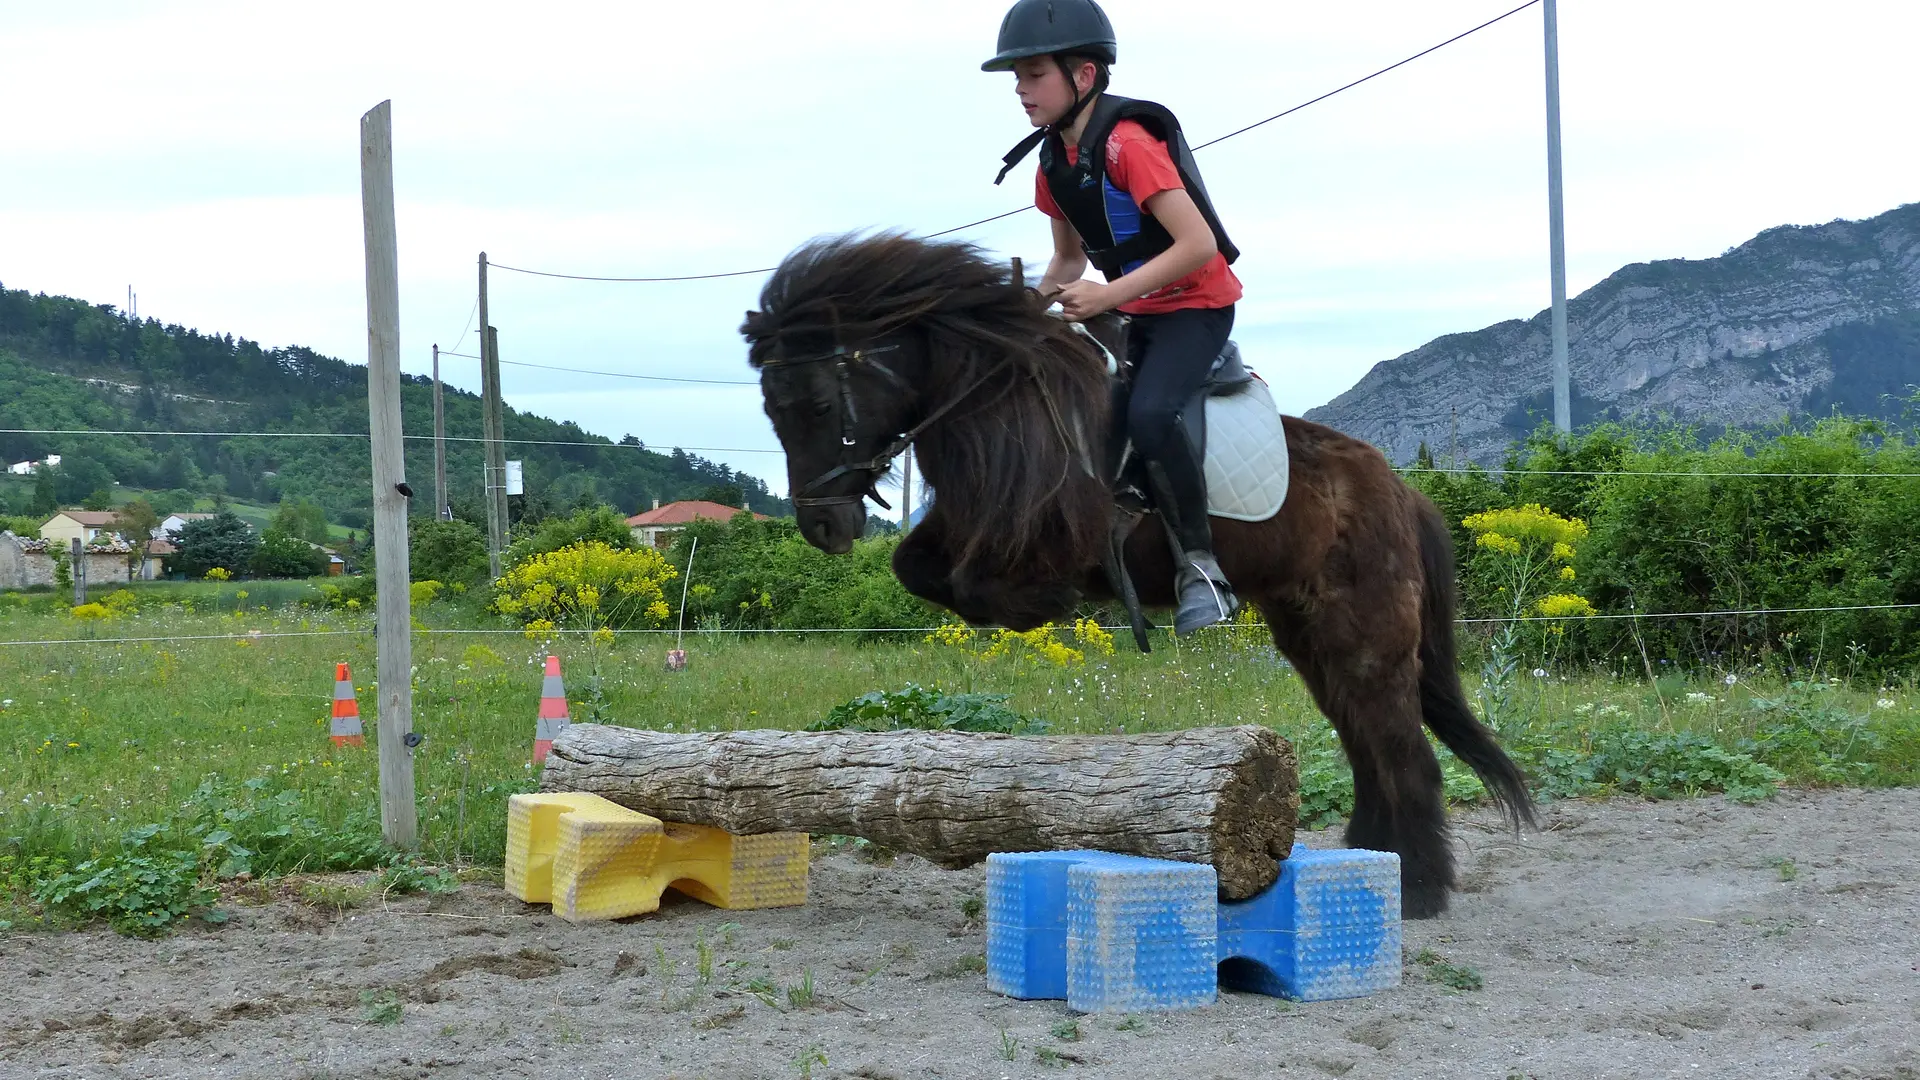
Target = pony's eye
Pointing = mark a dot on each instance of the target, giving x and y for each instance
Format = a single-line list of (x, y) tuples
[(822, 408)]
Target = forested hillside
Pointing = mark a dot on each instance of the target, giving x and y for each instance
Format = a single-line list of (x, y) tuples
[(67, 364)]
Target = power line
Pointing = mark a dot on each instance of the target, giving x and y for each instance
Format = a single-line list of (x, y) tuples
[(464, 330), (629, 375), (1024, 209), (1365, 78), (592, 277), (614, 374), (362, 435), (612, 446), (219, 434)]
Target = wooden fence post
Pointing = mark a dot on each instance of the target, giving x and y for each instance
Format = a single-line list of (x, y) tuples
[(79, 573), (393, 628)]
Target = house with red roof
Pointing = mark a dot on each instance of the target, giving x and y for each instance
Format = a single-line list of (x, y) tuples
[(655, 528)]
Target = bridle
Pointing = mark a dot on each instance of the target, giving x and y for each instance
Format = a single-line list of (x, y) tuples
[(844, 360)]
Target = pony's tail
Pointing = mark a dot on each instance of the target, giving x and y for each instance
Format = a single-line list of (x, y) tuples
[(1443, 703)]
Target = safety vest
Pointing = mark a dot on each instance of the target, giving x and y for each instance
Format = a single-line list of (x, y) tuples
[(1119, 234)]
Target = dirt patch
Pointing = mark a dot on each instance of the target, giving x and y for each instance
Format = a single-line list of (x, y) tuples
[(525, 964), (1626, 939)]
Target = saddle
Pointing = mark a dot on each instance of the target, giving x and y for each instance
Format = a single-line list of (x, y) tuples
[(1246, 465)]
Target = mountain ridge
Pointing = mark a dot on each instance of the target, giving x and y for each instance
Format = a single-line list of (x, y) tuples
[(1794, 320)]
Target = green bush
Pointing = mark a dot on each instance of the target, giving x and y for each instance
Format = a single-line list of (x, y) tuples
[(602, 523), (283, 556), (454, 552), (1679, 524), (750, 574), (917, 708)]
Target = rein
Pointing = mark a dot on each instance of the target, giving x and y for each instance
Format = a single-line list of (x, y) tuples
[(844, 360)]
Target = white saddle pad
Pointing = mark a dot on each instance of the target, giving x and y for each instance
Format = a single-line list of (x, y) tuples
[(1246, 455)]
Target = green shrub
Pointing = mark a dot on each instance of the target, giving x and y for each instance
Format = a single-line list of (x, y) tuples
[(927, 710), (451, 551), (283, 556)]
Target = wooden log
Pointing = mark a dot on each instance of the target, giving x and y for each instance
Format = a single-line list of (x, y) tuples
[(1225, 796)]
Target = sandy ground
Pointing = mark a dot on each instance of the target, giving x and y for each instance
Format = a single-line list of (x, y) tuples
[(1626, 939)]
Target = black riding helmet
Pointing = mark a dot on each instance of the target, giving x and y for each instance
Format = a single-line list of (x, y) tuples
[(1051, 28)]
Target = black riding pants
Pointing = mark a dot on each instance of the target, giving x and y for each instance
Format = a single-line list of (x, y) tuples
[(1172, 356)]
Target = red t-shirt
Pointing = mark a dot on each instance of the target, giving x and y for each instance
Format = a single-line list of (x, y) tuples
[(1138, 164)]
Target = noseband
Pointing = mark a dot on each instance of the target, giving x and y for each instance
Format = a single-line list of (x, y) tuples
[(844, 361)]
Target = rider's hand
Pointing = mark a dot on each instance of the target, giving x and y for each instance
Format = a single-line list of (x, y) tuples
[(1083, 299)]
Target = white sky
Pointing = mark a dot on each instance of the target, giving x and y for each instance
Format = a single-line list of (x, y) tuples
[(206, 153)]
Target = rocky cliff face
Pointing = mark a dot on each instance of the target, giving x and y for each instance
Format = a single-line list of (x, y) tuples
[(1795, 319)]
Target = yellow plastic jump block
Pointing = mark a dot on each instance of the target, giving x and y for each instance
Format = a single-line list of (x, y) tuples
[(594, 859)]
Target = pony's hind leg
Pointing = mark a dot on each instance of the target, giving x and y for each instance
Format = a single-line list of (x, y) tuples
[(1371, 694)]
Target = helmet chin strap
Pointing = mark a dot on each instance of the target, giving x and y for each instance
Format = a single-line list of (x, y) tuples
[(1026, 145), (1079, 102)]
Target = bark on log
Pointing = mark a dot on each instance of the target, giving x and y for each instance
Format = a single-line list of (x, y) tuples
[(1225, 796)]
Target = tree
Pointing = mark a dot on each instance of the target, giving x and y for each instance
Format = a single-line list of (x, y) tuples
[(222, 540), (77, 476), (97, 499), (601, 523), (446, 551), (298, 517), (136, 524), (46, 498), (726, 495), (283, 556)]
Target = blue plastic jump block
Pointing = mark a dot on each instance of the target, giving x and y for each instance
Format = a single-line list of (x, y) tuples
[(1109, 933), (1119, 933), (1328, 928)]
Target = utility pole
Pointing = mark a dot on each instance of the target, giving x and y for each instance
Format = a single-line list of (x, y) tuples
[(906, 490), (440, 506), (496, 527), (1556, 225), (497, 449), (393, 630)]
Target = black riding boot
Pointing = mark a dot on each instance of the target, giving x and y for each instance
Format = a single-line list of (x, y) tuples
[(1180, 494)]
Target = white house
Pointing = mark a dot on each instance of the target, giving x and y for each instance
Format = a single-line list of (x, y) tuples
[(171, 525), (25, 468)]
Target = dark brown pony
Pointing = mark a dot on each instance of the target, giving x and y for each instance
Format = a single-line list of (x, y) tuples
[(866, 343)]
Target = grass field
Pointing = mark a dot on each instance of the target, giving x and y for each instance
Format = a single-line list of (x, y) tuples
[(229, 736)]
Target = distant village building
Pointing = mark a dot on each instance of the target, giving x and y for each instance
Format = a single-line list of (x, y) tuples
[(655, 528), (85, 526), (27, 468), (170, 526)]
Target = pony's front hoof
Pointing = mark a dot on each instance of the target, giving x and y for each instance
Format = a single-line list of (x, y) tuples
[(1420, 900)]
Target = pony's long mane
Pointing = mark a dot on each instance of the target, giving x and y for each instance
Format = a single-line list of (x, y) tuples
[(1016, 465)]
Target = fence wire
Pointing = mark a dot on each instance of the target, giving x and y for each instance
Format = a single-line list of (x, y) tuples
[(561, 632)]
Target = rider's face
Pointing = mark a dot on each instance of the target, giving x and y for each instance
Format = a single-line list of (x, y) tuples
[(1043, 89)]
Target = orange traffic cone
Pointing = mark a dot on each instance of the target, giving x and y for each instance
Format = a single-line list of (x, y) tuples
[(346, 710), (553, 712)]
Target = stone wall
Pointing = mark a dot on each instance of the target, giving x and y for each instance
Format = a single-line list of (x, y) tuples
[(25, 563)]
